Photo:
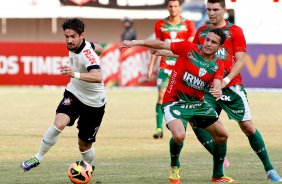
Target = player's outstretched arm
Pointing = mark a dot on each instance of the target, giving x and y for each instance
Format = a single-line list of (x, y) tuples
[(155, 44), (161, 52), (93, 76)]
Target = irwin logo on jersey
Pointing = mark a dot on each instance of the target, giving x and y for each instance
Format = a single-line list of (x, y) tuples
[(193, 81)]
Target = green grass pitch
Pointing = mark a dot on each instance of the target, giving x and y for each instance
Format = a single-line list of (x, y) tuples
[(126, 153)]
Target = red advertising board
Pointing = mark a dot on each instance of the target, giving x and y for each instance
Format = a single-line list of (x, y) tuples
[(26, 63), (38, 63), (134, 64), (33, 63)]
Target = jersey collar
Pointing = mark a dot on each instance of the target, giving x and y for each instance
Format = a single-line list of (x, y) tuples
[(80, 47)]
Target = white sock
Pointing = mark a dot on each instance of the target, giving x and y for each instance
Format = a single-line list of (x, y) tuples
[(88, 155), (49, 139)]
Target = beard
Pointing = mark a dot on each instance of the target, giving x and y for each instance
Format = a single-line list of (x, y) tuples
[(71, 47)]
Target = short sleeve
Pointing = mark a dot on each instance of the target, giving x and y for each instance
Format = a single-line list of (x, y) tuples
[(191, 29), (220, 71), (239, 41), (181, 48), (157, 30), (90, 59)]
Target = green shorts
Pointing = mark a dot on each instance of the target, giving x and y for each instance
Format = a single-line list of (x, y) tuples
[(233, 101), (163, 78), (200, 113)]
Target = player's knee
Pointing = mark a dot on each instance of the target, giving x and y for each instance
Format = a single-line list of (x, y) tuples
[(221, 138), (83, 146), (178, 137), (248, 127)]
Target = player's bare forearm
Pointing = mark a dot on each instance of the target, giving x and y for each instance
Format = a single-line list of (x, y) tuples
[(166, 53), (156, 44), (94, 76)]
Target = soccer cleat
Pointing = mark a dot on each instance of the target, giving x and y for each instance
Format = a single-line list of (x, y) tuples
[(226, 163), (174, 176), (158, 134), (29, 164), (273, 176), (223, 179)]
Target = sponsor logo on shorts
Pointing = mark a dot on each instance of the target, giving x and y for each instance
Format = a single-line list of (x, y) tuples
[(225, 98), (67, 101), (193, 106), (210, 110), (177, 112), (238, 111)]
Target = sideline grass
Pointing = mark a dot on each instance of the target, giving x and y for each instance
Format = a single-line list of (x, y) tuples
[(126, 152)]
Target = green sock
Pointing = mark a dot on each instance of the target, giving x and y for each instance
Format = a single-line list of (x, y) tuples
[(205, 138), (159, 116), (218, 159), (257, 143), (175, 150)]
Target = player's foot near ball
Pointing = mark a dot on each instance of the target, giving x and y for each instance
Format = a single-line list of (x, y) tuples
[(29, 164)]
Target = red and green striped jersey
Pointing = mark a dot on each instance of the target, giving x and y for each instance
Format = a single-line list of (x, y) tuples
[(235, 42), (191, 73), (173, 33)]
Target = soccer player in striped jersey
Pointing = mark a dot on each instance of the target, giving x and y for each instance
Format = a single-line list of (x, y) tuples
[(173, 28), (234, 97), (196, 67)]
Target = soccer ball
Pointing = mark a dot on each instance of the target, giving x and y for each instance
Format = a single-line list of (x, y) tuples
[(80, 172)]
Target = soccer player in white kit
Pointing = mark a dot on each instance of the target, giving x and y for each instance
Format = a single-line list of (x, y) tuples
[(84, 97)]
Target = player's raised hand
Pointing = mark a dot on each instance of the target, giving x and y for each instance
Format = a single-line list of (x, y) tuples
[(67, 70)]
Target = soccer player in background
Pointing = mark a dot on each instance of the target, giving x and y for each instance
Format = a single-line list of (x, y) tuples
[(84, 97), (196, 67), (173, 28), (234, 97)]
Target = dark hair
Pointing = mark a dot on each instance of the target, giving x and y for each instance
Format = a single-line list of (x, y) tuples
[(219, 32), (221, 2), (180, 2), (129, 20), (75, 24)]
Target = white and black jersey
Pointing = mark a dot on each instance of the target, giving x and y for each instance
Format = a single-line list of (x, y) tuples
[(83, 60)]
